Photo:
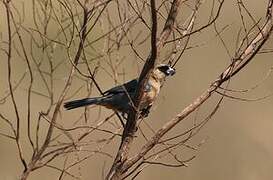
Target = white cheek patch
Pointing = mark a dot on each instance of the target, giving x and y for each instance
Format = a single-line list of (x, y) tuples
[(170, 72)]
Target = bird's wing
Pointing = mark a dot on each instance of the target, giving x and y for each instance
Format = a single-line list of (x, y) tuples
[(129, 86)]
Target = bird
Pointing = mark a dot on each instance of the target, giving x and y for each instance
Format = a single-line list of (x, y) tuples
[(119, 98)]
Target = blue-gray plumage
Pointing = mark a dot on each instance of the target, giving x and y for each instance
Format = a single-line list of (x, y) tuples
[(119, 98)]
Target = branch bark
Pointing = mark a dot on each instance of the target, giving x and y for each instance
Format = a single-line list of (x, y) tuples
[(119, 166), (37, 155), (237, 64)]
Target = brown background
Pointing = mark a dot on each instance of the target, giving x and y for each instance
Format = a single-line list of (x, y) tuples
[(237, 140)]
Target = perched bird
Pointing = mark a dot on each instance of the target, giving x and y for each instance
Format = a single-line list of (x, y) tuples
[(119, 98)]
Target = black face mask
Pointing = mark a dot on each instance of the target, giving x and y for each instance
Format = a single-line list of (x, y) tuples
[(167, 70)]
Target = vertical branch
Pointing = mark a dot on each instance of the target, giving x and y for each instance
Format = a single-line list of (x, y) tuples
[(120, 165), (37, 156), (30, 82), (169, 24), (68, 83), (238, 63), (17, 137)]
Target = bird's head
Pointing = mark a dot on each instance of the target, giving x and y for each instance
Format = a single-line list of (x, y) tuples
[(166, 69), (162, 71)]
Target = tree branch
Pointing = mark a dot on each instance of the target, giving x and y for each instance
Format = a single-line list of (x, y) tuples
[(120, 163), (237, 64)]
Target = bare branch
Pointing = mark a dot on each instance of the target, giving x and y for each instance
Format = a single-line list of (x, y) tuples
[(230, 71)]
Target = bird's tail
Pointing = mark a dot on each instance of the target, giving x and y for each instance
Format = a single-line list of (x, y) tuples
[(82, 102)]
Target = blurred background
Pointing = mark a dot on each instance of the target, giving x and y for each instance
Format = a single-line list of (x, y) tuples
[(235, 144)]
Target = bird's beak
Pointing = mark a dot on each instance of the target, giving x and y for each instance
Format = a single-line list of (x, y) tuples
[(171, 71)]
